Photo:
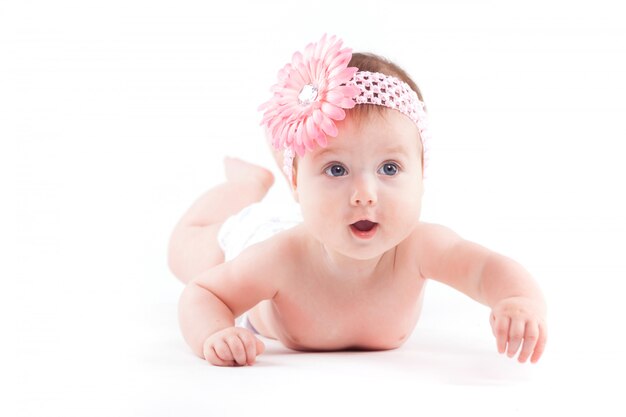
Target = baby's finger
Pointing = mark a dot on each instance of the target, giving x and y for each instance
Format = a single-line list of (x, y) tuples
[(249, 344), (236, 348), (219, 354), (531, 335), (501, 331), (516, 334), (260, 346), (492, 322), (541, 343)]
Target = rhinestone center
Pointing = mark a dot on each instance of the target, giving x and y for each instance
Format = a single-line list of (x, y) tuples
[(308, 94)]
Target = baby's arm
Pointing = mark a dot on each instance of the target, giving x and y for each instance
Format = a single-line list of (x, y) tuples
[(210, 303), (518, 307)]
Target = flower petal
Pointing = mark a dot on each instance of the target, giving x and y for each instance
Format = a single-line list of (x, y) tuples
[(300, 127), (318, 117), (297, 59), (291, 134), (339, 62), (322, 140), (309, 51), (348, 103), (295, 82), (311, 130), (342, 77), (328, 126), (333, 111), (300, 150), (343, 96), (320, 47), (350, 90), (282, 137), (284, 72)]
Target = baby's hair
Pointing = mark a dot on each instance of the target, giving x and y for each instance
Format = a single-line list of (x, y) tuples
[(366, 61)]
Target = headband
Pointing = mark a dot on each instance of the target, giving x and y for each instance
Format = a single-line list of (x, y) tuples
[(315, 88)]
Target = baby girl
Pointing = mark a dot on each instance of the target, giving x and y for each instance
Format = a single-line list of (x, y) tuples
[(347, 269)]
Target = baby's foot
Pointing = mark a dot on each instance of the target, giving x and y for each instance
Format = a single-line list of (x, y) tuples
[(238, 170)]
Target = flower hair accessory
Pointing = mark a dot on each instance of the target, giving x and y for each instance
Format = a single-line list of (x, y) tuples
[(315, 88)]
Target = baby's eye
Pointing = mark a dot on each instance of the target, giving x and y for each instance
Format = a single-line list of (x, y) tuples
[(389, 168), (335, 170)]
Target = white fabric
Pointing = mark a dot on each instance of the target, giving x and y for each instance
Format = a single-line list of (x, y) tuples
[(254, 224)]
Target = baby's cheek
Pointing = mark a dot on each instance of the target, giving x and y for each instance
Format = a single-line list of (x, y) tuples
[(406, 210), (318, 216)]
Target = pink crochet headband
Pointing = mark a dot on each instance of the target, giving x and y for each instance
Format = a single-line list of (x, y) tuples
[(315, 88)]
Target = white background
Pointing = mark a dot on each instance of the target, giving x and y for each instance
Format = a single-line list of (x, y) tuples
[(115, 116)]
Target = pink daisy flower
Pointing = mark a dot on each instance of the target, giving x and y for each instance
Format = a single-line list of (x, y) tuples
[(312, 92)]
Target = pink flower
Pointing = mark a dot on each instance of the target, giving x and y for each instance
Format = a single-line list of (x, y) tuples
[(310, 95)]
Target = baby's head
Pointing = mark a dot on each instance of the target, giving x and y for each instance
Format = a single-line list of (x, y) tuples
[(352, 128), (326, 85)]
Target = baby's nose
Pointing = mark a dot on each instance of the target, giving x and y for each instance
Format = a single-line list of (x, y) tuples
[(358, 202), (364, 193)]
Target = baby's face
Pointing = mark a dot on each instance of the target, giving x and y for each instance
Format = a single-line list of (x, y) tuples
[(361, 195)]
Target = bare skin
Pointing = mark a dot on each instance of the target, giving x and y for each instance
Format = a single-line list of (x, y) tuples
[(320, 311), (325, 284), (193, 245)]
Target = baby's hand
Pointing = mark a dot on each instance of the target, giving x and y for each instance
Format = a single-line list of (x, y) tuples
[(519, 318), (233, 346)]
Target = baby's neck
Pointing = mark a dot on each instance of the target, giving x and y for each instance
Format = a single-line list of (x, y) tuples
[(350, 269)]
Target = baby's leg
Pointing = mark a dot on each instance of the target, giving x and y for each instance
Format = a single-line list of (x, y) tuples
[(193, 246)]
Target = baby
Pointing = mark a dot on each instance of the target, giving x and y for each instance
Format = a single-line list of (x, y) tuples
[(347, 270)]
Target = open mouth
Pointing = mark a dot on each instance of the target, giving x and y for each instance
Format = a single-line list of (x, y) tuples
[(364, 228)]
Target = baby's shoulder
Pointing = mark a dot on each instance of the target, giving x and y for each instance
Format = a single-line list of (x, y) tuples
[(429, 237), (273, 255), (429, 230), (425, 245)]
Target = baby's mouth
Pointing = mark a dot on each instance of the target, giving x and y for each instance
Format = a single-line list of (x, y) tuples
[(363, 225), (364, 228)]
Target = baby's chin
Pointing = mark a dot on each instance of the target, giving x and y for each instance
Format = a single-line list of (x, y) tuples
[(355, 248), (365, 251)]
